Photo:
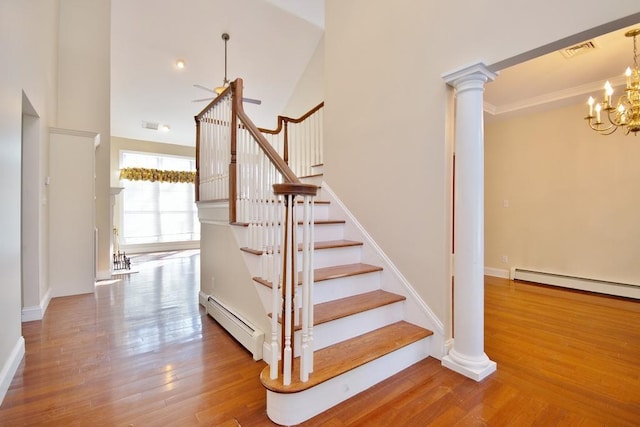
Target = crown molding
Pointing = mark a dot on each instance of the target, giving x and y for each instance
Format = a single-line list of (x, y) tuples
[(574, 93)]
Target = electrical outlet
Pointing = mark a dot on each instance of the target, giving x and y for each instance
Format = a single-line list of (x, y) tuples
[(505, 259)]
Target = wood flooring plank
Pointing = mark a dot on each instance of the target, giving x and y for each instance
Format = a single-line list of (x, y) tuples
[(142, 352)]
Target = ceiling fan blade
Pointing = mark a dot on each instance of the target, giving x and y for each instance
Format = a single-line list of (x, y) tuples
[(205, 88), (202, 99), (252, 101)]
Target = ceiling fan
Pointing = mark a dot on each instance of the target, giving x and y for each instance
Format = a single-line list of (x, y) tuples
[(225, 83)]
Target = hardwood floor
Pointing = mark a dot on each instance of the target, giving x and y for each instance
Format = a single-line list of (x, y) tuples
[(141, 352)]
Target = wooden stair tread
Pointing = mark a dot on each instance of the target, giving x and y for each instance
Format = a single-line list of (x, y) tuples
[(328, 244), (343, 307), (324, 244), (313, 175), (334, 272), (347, 355), (315, 222)]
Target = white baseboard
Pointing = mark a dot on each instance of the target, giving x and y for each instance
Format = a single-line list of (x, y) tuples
[(202, 299), (580, 283), (10, 367), (160, 247), (36, 312), (496, 272), (103, 275)]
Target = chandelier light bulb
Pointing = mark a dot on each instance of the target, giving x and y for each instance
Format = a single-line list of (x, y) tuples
[(625, 112)]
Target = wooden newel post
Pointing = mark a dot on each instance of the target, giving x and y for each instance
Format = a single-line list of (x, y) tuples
[(285, 148), (236, 97), (289, 275), (197, 179)]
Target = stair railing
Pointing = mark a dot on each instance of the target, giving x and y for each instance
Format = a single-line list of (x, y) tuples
[(235, 162), (299, 141)]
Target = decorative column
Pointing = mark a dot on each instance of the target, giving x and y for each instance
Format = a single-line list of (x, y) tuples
[(467, 355)]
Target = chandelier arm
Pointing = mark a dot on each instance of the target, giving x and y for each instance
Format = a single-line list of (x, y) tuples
[(626, 112), (596, 126)]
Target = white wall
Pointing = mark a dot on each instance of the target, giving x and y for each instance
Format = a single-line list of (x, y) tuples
[(224, 274), (84, 96), (309, 90), (28, 39), (572, 194), (386, 105)]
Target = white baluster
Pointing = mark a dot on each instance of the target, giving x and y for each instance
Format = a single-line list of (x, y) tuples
[(311, 281), (288, 284), (304, 356)]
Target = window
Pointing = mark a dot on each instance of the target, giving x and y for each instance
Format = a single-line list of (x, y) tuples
[(156, 212)]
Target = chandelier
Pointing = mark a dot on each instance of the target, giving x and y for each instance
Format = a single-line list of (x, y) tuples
[(626, 113)]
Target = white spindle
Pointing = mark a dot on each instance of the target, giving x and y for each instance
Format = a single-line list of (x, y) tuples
[(306, 302), (311, 280), (288, 283)]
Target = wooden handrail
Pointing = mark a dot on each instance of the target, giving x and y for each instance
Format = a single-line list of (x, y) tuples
[(270, 152), (282, 119)]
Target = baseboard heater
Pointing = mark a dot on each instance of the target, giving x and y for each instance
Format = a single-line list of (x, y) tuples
[(580, 283), (241, 329)]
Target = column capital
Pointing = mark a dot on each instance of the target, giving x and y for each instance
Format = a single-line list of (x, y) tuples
[(476, 72)]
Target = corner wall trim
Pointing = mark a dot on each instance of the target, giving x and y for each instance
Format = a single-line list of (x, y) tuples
[(36, 312), (10, 367), (496, 272)]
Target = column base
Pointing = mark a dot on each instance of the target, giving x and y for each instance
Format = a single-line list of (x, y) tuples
[(475, 369)]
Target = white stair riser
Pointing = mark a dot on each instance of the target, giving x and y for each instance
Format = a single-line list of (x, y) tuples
[(315, 179), (329, 290), (295, 408), (334, 256), (317, 169), (322, 258), (342, 329), (320, 211), (342, 287), (323, 232)]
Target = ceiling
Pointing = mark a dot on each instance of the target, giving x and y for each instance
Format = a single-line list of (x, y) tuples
[(271, 43), (148, 36), (554, 80)]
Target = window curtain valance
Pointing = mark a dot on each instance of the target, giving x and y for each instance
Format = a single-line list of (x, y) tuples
[(157, 175)]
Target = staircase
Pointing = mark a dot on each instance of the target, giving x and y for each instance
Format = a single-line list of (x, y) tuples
[(360, 333), (368, 321)]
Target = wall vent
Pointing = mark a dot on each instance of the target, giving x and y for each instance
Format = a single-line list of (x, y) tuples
[(150, 125), (579, 49)]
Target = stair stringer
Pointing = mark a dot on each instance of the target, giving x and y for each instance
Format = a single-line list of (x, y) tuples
[(416, 309)]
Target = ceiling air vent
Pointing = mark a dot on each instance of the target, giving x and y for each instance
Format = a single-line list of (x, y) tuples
[(578, 49), (150, 125)]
